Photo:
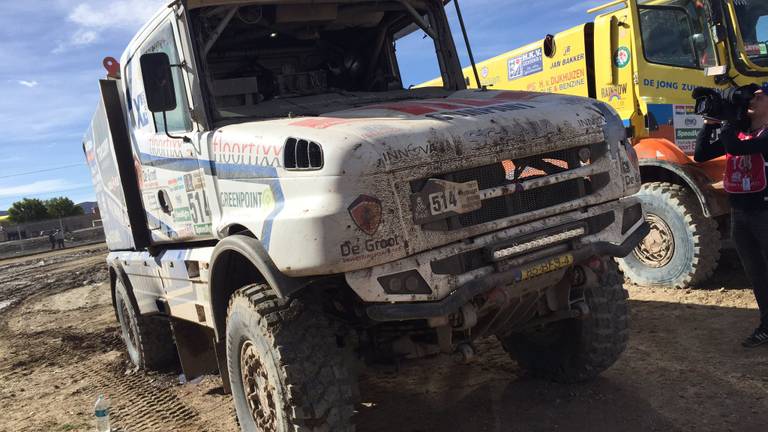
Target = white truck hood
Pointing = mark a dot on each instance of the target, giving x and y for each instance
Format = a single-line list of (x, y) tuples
[(393, 136)]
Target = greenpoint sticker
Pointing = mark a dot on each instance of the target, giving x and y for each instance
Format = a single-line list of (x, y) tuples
[(622, 57)]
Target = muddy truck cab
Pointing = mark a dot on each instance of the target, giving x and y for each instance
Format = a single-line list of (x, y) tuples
[(279, 208)]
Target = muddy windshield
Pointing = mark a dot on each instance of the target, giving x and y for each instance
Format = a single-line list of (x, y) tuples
[(753, 24), (676, 33), (281, 60)]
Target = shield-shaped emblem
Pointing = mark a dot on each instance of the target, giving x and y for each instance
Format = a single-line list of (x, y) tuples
[(366, 212)]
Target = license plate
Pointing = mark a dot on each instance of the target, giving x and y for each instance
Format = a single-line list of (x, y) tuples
[(440, 199), (553, 264)]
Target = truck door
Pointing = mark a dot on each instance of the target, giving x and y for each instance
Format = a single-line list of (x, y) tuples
[(614, 66), (675, 45), (167, 148)]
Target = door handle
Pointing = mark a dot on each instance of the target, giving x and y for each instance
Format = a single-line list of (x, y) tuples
[(165, 201)]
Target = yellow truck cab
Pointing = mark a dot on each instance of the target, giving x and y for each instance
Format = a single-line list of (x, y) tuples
[(644, 58)]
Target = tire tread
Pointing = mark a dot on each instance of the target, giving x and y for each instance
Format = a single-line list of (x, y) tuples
[(703, 230), (302, 341)]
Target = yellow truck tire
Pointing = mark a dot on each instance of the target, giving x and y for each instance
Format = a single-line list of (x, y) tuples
[(683, 247)]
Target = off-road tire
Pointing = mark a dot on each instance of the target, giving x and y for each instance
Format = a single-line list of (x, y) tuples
[(576, 350), (293, 344), (695, 237), (148, 339)]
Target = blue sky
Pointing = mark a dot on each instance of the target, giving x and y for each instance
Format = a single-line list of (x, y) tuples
[(50, 61)]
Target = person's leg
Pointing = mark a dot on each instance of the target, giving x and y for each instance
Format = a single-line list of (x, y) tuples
[(753, 260), (759, 225)]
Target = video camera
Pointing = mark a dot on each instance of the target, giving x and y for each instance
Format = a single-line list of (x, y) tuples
[(729, 104)]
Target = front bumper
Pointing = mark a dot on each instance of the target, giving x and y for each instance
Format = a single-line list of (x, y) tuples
[(615, 237), (466, 292)]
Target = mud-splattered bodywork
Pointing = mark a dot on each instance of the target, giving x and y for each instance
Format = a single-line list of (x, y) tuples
[(374, 158), (402, 196), (376, 152)]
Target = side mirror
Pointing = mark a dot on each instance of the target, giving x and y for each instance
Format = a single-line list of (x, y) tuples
[(158, 82), (699, 41)]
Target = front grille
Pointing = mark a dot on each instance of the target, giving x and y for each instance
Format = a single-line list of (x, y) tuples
[(477, 258), (522, 202), (509, 172)]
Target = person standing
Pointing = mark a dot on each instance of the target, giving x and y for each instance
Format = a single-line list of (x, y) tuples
[(60, 238), (52, 239), (745, 177)]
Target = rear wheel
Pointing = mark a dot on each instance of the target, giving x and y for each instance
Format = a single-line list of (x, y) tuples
[(148, 339), (578, 349), (286, 369), (683, 246)]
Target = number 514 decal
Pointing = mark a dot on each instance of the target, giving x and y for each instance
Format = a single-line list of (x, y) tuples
[(201, 212), (440, 199)]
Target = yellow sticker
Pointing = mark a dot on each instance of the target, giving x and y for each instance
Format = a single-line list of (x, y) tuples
[(554, 264)]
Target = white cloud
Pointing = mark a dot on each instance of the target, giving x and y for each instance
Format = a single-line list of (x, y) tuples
[(84, 37), (94, 17), (122, 13), (29, 84), (37, 188)]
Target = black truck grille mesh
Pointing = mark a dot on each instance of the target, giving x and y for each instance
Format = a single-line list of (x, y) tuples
[(508, 172)]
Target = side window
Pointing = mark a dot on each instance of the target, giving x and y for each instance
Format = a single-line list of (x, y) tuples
[(163, 41), (762, 29), (415, 55), (670, 38)]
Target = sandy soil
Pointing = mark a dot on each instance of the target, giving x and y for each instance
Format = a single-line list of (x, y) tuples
[(684, 369)]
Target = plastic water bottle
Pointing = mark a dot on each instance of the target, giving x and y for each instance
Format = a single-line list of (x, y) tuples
[(102, 414)]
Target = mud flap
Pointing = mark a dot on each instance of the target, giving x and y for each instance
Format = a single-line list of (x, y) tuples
[(198, 352)]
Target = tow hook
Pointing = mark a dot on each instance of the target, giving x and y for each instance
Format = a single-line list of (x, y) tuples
[(465, 353), (580, 309)]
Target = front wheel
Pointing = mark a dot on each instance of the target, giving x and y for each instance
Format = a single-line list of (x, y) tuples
[(577, 350), (285, 366), (683, 246)]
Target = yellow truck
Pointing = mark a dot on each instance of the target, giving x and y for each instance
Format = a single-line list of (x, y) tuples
[(644, 58)]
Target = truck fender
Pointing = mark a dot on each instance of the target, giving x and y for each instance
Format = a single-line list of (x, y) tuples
[(660, 149), (712, 202), (116, 272), (220, 284)]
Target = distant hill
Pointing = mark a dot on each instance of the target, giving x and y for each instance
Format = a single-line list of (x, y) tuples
[(88, 206), (5, 213)]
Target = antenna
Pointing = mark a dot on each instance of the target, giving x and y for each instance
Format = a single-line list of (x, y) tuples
[(469, 47)]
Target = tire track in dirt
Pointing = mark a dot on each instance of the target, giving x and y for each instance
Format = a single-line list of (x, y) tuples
[(49, 274), (50, 348)]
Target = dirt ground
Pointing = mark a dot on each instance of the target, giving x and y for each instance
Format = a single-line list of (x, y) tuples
[(684, 369)]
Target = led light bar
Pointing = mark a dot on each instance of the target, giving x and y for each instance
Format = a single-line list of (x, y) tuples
[(538, 243)]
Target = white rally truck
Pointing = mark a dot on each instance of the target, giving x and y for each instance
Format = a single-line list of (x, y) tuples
[(280, 209)]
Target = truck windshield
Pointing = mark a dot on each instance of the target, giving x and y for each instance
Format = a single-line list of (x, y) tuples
[(290, 59), (753, 24), (676, 33)]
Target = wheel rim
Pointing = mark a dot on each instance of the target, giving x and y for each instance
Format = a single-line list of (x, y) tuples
[(658, 247), (259, 392), (129, 332)]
